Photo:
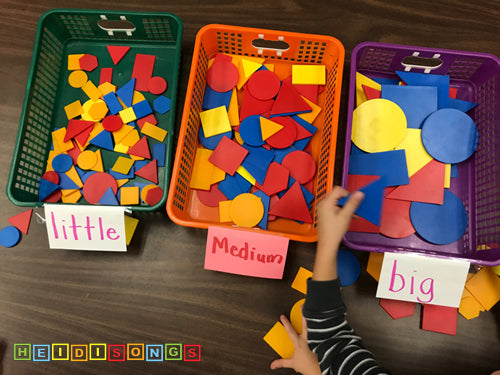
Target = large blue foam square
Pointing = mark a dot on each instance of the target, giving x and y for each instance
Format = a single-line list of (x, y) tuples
[(390, 164)]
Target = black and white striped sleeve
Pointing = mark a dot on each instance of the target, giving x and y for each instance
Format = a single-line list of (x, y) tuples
[(339, 349)]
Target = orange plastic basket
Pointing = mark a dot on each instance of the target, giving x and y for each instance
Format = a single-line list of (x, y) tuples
[(282, 49)]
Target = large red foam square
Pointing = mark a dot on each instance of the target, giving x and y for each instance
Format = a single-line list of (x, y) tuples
[(228, 155), (441, 319)]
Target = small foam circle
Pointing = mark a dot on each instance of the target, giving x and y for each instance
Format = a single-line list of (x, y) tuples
[(9, 236), (112, 123), (77, 78), (246, 210), (62, 163), (87, 159), (157, 85)]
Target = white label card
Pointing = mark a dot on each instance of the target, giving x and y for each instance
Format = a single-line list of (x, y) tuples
[(85, 227), (421, 279)]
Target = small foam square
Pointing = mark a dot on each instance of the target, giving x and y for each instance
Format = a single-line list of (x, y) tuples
[(441, 319), (277, 338), (123, 165), (141, 109), (73, 110), (129, 195), (215, 121), (74, 61), (127, 115)]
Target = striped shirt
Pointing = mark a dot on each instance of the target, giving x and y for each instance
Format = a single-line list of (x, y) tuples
[(339, 349)]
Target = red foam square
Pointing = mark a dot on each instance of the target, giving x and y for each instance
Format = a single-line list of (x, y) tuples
[(228, 155), (441, 319)]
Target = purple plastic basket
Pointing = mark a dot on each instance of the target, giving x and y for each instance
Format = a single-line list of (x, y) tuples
[(477, 77)]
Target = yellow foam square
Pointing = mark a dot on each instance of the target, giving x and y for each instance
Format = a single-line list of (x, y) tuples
[(300, 281), (233, 111), (201, 174), (245, 174), (416, 155), (70, 195), (91, 90), (129, 195), (127, 115), (122, 165), (215, 121), (485, 287), (74, 61), (73, 110), (224, 216), (130, 226), (310, 116), (278, 339), (106, 87), (308, 74), (121, 133), (364, 80), (131, 138), (154, 131)]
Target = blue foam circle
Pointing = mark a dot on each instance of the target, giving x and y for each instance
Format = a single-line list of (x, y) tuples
[(440, 224), (449, 135), (62, 163), (250, 131), (212, 142), (9, 236), (348, 267)]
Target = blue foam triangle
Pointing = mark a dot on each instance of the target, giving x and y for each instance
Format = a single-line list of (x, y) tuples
[(126, 92), (45, 189), (103, 140), (67, 183), (371, 206), (461, 105), (265, 201), (306, 125), (109, 198), (423, 79)]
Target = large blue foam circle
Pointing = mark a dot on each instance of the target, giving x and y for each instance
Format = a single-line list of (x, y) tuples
[(440, 224), (250, 131), (348, 267), (9, 236), (449, 135), (212, 142)]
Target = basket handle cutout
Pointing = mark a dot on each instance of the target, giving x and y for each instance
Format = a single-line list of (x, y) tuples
[(113, 26), (262, 44), (418, 62)]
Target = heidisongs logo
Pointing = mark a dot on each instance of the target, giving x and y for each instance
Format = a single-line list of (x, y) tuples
[(107, 352)]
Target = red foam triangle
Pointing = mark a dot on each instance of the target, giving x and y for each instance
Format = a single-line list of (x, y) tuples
[(302, 132), (371, 93), (141, 148), (149, 172), (292, 205), (83, 137), (117, 52), (76, 127), (74, 152), (289, 101), (22, 221), (307, 91), (426, 185)]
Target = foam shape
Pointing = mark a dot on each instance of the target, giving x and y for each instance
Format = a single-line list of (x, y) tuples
[(98, 167), (222, 76), (246, 210), (129, 195), (131, 139), (149, 172), (309, 92), (122, 165), (127, 115), (441, 319), (371, 206), (362, 80), (296, 315), (305, 124), (348, 267), (233, 111), (417, 102), (87, 175), (310, 116), (277, 338), (141, 148), (154, 131), (389, 164), (263, 85), (252, 106), (71, 196), (397, 309), (117, 52), (211, 197), (268, 127), (121, 133), (157, 85), (9, 236), (96, 185), (276, 179), (126, 92), (228, 155), (76, 127), (302, 132), (300, 281), (286, 136), (154, 196), (65, 182), (144, 188), (224, 216), (78, 78), (378, 125), (374, 265), (395, 221), (103, 140), (442, 82), (62, 163), (246, 175), (308, 74), (142, 108), (292, 205), (60, 146), (73, 109), (426, 185), (217, 175), (440, 224), (371, 93), (106, 75), (247, 67), (469, 307), (88, 62), (266, 202), (22, 221), (485, 287), (130, 227), (202, 170), (213, 99), (449, 135), (250, 131), (230, 187), (109, 198), (416, 155), (54, 197), (461, 105), (358, 224), (87, 160), (91, 90), (112, 103), (106, 88), (257, 162), (301, 166), (51, 176), (112, 123), (212, 142), (159, 153), (143, 70), (74, 61), (215, 121), (289, 102), (45, 189)]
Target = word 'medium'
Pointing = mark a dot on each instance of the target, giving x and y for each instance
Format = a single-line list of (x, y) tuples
[(426, 286), (244, 252), (86, 229), (107, 352)]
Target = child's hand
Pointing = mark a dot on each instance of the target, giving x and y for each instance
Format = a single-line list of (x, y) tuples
[(303, 360)]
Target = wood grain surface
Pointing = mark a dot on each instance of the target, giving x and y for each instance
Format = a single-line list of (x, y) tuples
[(158, 292)]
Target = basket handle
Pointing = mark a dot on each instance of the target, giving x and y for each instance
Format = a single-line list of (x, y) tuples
[(262, 44), (426, 63), (112, 26)]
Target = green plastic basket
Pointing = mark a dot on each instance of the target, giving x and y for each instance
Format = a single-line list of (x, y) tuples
[(62, 32)]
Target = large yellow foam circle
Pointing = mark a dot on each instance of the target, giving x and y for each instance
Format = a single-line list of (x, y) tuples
[(246, 210), (296, 315), (378, 125)]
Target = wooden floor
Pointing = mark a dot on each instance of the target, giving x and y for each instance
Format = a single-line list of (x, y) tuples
[(158, 292)]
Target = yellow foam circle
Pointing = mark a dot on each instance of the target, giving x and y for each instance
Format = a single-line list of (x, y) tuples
[(87, 159), (378, 125), (77, 78), (296, 315), (246, 210)]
